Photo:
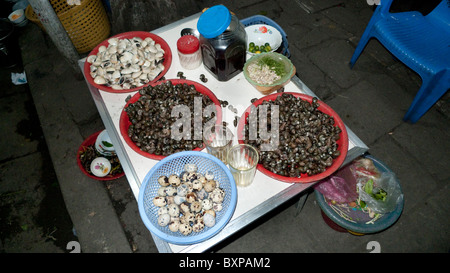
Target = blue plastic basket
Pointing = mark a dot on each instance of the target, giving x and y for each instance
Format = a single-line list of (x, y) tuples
[(260, 19), (174, 164)]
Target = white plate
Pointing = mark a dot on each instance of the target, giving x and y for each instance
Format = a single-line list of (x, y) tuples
[(100, 167), (261, 34)]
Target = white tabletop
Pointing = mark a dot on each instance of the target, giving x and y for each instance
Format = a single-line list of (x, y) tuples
[(262, 195)]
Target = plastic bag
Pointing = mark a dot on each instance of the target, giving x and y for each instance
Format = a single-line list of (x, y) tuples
[(340, 187), (381, 194), (19, 78), (364, 167)]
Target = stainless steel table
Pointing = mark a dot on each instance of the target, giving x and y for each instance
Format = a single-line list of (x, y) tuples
[(254, 201)]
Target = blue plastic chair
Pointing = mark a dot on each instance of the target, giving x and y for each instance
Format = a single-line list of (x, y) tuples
[(421, 42)]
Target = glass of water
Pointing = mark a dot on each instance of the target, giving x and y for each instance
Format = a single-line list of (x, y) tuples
[(218, 139), (242, 160)]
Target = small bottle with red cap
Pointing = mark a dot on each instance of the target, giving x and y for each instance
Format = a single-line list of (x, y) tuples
[(189, 52)]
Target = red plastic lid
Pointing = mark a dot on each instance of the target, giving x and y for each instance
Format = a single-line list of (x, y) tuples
[(188, 44)]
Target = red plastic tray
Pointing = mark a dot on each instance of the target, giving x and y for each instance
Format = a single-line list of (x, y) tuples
[(324, 108), (142, 34), (88, 142)]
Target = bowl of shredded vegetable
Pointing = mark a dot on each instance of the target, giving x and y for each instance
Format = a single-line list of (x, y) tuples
[(268, 71)]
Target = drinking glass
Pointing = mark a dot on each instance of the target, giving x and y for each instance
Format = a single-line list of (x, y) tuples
[(242, 160), (218, 139)]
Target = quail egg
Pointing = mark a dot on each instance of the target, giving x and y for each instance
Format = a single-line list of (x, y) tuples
[(163, 219), (174, 210), (174, 226), (209, 220), (184, 207), (163, 210), (159, 201), (217, 206), (210, 185), (217, 195), (202, 194), (170, 200), (198, 226), (162, 191), (182, 190), (189, 177), (177, 199), (191, 197), (202, 179), (207, 204), (174, 180), (163, 180), (190, 168), (185, 229), (170, 191), (197, 185), (188, 217), (210, 211), (196, 206), (209, 175)]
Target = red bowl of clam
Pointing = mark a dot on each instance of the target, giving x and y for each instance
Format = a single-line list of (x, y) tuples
[(127, 62)]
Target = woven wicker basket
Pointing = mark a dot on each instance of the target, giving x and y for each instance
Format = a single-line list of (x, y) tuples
[(87, 24)]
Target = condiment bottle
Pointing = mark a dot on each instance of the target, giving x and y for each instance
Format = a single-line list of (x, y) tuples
[(223, 42), (189, 52)]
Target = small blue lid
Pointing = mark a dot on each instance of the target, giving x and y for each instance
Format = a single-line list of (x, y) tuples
[(214, 21)]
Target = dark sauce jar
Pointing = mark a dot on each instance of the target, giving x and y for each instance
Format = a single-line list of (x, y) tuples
[(223, 42)]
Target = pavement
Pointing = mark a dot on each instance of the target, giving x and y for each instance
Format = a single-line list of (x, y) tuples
[(48, 205)]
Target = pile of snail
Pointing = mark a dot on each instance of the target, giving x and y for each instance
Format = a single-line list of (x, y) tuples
[(307, 138), (151, 118)]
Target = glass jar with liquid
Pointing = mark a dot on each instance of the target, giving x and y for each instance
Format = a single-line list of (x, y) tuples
[(223, 42)]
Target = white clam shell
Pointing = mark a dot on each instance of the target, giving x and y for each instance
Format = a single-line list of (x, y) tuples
[(101, 49), (91, 59), (113, 41), (99, 80), (116, 87)]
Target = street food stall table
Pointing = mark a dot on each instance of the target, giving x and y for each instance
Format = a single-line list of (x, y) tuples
[(262, 196)]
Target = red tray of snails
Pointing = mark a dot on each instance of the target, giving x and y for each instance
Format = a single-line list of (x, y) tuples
[(166, 60), (342, 142), (124, 122), (86, 143)]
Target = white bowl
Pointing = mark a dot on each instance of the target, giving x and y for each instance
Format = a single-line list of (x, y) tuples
[(17, 17), (261, 34), (104, 145)]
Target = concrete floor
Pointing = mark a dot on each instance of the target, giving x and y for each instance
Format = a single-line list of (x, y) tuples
[(38, 162)]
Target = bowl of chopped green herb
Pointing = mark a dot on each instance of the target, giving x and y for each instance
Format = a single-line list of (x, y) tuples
[(268, 71)]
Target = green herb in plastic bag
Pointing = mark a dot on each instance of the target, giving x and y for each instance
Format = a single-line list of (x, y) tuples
[(378, 195)]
